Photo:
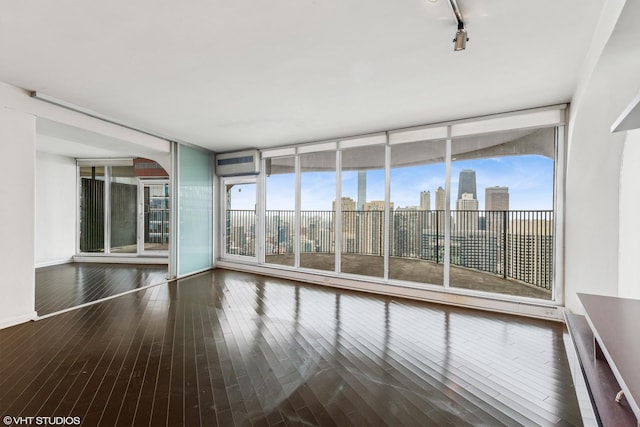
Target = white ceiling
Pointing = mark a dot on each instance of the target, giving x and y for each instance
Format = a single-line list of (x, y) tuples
[(237, 74)]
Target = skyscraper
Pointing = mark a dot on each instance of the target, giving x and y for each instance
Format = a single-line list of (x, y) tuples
[(497, 198), (440, 199), (346, 204), (362, 189), (350, 224), (371, 238), (467, 216), (425, 201), (467, 183), (467, 203), (437, 221)]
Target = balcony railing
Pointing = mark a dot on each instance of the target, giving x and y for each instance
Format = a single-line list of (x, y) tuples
[(513, 244)]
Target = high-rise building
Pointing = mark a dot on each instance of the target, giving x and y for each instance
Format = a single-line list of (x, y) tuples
[(467, 216), (530, 251), (437, 221), (425, 201), (440, 199), (467, 203), (371, 229), (467, 183), (408, 224), (375, 205), (496, 204), (346, 204), (349, 223), (496, 198), (362, 189)]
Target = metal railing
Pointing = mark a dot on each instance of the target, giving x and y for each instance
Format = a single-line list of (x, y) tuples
[(515, 244)]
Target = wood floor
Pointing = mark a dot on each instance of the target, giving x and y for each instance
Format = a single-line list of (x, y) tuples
[(228, 348), (63, 286)]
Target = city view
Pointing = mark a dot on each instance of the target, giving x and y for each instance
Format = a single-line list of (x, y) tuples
[(487, 235)]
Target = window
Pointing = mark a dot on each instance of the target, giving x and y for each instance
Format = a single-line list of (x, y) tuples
[(280, 195), (362, 211), (502, 212), (467, 206), (317, 195), (417, 224), (92, 195)]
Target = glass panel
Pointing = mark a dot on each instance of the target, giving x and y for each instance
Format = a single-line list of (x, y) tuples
[(195, 197), (502, 212), (241, 219), (362, 207), (123, 204), (417, 220), (92, 208), (280, 209), (317, 198), (156, 217)]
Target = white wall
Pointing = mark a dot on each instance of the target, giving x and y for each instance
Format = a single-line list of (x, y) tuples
[(18, 112), (594, 158), (55, 209), (17, 198), (628, 277)]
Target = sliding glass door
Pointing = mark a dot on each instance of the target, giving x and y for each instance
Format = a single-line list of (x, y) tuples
[(240, 217)]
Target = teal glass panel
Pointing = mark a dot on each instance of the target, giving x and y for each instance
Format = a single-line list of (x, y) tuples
[(195, 207)]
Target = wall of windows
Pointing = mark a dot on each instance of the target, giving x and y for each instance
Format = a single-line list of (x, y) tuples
[(466, 206)]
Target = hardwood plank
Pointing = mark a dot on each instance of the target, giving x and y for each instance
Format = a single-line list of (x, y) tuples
[(229, 348), (64, 286)]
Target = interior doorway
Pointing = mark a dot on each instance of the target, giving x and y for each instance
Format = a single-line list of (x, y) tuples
[(124, 209)]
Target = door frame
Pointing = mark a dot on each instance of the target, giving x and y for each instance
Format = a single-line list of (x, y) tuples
[(223, 218)]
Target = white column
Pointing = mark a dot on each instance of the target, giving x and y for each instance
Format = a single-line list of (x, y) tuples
[(17, 217)]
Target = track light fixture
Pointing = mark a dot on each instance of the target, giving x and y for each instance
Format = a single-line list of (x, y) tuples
[(461, 39)]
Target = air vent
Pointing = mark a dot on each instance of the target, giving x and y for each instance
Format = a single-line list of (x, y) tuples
[(238, 163)]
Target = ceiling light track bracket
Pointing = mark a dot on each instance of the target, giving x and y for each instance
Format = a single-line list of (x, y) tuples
[(460, 40)]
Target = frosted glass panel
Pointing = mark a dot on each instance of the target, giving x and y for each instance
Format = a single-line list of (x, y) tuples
[(195, 221)]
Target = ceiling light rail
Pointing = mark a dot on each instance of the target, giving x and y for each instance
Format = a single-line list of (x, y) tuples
[(78, 109)]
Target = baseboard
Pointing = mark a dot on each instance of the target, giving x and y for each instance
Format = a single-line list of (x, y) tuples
[(12, 321), (122, 259), (55, 262)]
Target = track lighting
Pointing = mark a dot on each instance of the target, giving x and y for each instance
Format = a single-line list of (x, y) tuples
[(461, 39)]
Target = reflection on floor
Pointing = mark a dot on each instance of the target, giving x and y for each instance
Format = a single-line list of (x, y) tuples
[(228, 348), (64, 286)]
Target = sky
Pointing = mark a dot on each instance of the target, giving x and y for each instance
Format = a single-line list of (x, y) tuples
[(528, 177)]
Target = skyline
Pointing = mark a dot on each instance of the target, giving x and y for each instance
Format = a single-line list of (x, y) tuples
[(528, 177)]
